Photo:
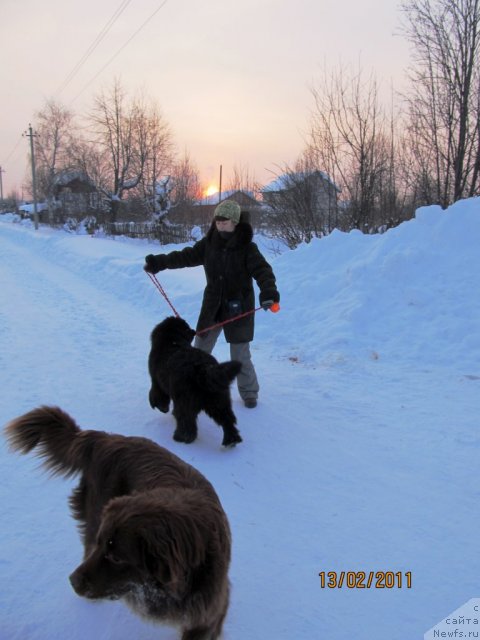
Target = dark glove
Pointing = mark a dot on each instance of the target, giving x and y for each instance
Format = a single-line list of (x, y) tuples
[(154, 264), (269, 298), (267, 304)]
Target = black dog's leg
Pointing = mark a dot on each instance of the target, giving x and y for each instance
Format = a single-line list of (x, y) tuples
[(159, 399), (223, 415), (186, 419)]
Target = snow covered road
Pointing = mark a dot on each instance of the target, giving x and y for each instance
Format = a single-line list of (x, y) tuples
[(356, 458)]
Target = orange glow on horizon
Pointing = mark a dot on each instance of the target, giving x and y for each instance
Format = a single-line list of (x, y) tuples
[(210, 190)]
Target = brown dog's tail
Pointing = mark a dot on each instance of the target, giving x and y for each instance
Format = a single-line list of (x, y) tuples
[(219, 377), (53, 432)]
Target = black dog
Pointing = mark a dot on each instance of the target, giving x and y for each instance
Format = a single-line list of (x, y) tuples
[(192, 379), (153, 528)]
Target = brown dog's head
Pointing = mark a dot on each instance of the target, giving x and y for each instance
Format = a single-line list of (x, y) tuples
[(144, 544), (172, 331)]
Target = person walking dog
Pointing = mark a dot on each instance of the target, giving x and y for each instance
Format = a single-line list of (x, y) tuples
[(231, 261)]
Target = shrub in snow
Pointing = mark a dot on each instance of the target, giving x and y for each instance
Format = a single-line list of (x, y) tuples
[(70, 225)]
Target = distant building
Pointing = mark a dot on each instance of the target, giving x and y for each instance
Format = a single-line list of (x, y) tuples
[(75, 194), (322, 191), (299, 206)]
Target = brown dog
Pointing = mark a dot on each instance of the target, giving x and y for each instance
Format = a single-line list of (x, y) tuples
[(154, 531)]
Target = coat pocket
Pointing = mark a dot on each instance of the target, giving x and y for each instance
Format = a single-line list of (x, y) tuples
[(234, 308)]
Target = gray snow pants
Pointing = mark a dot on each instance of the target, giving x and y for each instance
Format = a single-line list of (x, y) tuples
[(247, 378)]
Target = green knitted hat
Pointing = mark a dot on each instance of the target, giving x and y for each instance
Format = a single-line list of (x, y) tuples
[(228, 209)]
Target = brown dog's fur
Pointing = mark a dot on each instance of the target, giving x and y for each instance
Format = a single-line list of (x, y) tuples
[(153, 528)]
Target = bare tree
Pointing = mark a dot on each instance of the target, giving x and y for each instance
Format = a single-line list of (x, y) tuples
[(444, 98), (185, 192), (186, 182), (130, 139), (55, 132), (155, 138), (352, 139), (242, 180)]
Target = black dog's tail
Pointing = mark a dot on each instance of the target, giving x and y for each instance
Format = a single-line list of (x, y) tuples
[(219, 377), (54, 433)]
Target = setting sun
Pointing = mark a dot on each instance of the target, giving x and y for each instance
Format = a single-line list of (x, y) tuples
[(210, 190)]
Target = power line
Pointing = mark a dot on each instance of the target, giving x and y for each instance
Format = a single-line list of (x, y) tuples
[(121, 49), (13, 150), (94, 45)]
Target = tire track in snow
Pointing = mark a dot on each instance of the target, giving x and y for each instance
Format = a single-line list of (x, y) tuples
[(48, 314)]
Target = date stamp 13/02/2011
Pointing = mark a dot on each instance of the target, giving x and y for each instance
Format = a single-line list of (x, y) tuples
[(365, 579)]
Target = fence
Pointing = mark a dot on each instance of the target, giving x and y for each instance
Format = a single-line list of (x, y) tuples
[(165, 234)]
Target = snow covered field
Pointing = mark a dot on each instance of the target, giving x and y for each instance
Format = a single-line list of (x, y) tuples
[(362, 455)]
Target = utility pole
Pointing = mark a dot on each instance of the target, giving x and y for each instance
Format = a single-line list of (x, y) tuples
[(31, 135), (154, 186), (1, 183), (220, 186)]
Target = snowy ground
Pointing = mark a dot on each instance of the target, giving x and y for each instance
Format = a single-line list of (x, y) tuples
[(362, 455)]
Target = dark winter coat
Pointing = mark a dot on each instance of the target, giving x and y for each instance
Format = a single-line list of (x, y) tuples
[(230, 267)]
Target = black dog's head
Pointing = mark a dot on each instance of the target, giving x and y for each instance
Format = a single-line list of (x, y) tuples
[(141, 546), (172, 331)]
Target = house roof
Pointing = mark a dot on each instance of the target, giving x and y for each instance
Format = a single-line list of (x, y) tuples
[(289, 180), (217, 197), (28, 207), (72, 178)]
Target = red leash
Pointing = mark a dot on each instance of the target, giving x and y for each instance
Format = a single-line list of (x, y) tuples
[(220, 324), (275, 308), (153, 278)]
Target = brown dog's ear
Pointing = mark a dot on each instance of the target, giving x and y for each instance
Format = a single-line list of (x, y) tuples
[(150, 559), (153, 564), (172, 548), (161, 563)]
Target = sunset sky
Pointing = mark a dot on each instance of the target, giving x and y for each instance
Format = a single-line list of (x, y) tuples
[(233, 79)]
